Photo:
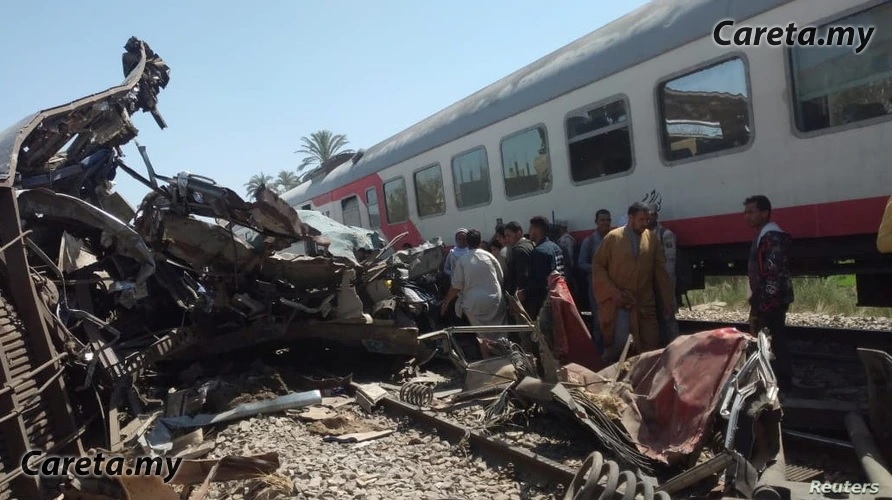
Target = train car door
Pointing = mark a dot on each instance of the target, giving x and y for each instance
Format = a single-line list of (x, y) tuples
[(350, 209)]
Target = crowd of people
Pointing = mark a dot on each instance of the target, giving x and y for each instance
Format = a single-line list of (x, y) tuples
[(626, 274)]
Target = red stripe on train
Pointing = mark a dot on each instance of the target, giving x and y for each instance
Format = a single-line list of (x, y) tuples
[(359, 188), (820, 220)]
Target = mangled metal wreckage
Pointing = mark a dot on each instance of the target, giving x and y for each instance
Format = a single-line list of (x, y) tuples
[(92, 291)]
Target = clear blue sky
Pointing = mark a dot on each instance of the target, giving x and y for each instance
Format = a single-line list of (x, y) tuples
[(248, 79)]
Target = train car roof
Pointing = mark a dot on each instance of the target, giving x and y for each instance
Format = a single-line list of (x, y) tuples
[(645, 33)]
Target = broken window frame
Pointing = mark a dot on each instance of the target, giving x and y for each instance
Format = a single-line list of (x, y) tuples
[(859, 16), (704, 68), (435, 208), (388, 207), (626, 125)]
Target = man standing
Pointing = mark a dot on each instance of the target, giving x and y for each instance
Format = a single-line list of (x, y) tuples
[(477, 284), (587, 251), (624, 270), (884, 234), (504, 247), (666, 239), (456, 252), (567, 243), (518, 271), (771, 284), (545, 258)]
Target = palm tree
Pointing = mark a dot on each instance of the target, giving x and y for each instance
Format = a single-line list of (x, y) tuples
[(287, 180), (319, 147), (258, 180)]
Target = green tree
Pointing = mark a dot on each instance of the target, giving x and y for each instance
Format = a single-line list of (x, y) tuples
[(287, 180), (319, 147), (258, 180)]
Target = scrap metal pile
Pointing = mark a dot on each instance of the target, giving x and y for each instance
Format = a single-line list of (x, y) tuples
[(94, 291), (657, 416)]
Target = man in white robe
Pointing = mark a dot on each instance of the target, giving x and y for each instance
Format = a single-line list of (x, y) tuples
[(477, 283)]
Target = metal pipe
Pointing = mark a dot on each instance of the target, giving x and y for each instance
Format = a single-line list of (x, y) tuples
[(14, 240), (25, 376), (866, 449), (491, 329), (696, 474), (816, 438), (23, 408)]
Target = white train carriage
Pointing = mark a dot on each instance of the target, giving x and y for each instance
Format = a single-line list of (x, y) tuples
[(651, 108)]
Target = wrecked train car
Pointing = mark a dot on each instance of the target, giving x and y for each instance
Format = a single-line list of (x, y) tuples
[(93, 291), (39, 400)]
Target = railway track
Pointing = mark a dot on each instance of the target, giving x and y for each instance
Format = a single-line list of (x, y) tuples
[(871, 339), (837, 460), (545, 449)]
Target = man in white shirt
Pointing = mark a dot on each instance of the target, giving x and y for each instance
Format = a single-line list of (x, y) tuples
[(477, 283), (456, 252)]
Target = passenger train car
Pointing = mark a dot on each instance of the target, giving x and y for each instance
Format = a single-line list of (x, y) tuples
[(650, 108)]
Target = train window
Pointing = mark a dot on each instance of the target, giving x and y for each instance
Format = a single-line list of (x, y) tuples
[(470, 176), (600, 141), (705, 111), (350, 211), (307, 207), (396, 203), (429, 195), (526, 164), (371, 200), (833, 86)]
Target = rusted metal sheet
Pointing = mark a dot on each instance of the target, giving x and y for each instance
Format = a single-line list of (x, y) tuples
[(37, 407), (44, 207)]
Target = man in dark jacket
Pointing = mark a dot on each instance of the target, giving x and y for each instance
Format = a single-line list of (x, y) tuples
[(545, 258), (517, 270), (771, 284)]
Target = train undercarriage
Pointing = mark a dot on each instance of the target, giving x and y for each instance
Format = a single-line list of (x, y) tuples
[(850, 255)]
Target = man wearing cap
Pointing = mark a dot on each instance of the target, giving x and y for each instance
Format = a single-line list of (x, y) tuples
[(568, 246), (666, 238), (457, 252)]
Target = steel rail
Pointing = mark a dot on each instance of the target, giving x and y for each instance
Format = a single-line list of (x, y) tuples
[(485, 445)]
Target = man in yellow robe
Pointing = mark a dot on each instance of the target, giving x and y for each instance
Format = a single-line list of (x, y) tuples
[(884, 235), (623, 272)]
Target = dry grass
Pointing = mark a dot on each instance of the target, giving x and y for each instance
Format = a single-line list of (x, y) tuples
[(834, 295), (610, 404)]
